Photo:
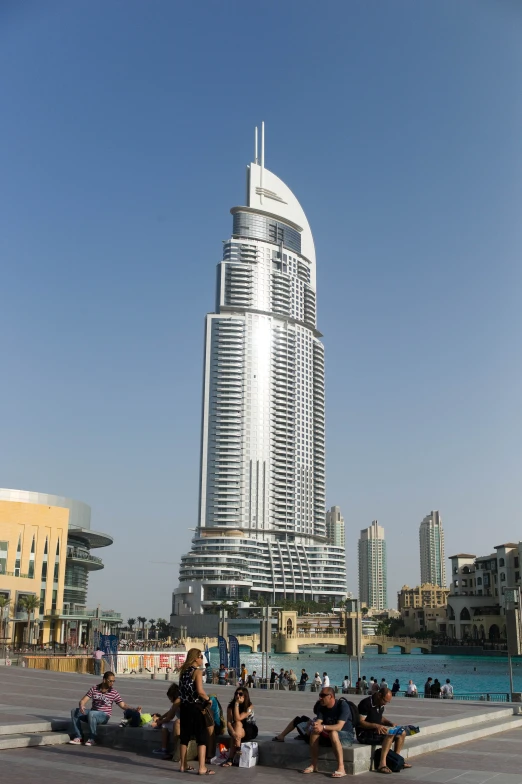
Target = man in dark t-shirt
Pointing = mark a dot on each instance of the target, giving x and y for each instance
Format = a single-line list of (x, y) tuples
[(302, 680), (374, 729), (332, 726)]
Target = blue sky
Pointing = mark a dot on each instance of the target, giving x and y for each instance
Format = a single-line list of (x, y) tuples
[(126, 128)]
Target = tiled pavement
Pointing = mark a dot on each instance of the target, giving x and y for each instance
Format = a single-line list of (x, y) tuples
[(25, 693)]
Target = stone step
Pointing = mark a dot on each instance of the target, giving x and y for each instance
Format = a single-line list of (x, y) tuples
[(294, 753), (23, 740), (34, 726), (422, 744), (471, 719)]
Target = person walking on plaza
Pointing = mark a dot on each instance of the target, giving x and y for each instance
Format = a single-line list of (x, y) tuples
[(273, 678), (332, 726), (97, 657), (447, 690), (373, 727), (302, 680), (102, 696), (396, 687), (427, 688), (326, 680), (193, 700), (346, 684), (292, 680), (318, 681)]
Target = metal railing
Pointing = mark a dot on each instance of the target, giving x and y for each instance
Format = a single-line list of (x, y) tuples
[(84, 555)]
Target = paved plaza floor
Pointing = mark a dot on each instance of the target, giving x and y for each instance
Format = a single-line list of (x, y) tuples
[(25, 694)]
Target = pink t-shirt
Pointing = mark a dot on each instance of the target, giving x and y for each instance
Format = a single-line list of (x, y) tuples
[(102, 701), (97, 655)]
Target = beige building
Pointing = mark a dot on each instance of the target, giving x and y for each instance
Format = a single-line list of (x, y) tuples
[(425, 595), (45, 553), (476, 604)]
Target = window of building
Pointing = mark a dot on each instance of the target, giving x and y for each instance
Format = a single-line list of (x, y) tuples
[(3, 556)]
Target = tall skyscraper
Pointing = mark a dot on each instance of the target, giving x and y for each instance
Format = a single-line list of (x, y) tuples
[(335, 527), (373, 581), (432, 561), (261, 532)]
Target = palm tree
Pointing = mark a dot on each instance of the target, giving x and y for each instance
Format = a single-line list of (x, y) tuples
[(142, 620), (30, 604), (131, 622), (5, 602), (152, 621)]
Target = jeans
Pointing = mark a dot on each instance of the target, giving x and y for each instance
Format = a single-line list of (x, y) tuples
[(97, 666), (92, 717)]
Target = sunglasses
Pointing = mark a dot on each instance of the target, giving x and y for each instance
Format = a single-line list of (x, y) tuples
[(239, 694)]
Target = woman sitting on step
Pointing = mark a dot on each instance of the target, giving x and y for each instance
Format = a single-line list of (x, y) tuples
[(241, 723)]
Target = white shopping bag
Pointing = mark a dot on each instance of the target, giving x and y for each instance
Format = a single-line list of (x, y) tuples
[(249, 754)]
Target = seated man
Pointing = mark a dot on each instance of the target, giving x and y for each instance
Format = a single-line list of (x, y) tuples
[(333, 726), (373, 727)]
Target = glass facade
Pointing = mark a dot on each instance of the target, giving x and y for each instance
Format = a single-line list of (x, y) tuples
[(261, 227)]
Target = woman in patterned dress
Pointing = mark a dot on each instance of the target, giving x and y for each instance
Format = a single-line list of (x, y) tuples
[(193, 701)]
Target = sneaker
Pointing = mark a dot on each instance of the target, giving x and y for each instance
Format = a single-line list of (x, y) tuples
[(90, 743), (75, 741), (160, 752)]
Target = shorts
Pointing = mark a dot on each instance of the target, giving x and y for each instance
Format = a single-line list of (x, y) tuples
[(251, 731), (346, 738), (371, 738)]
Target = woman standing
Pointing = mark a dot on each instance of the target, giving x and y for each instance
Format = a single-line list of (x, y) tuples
[(241, 723), (193, 702)]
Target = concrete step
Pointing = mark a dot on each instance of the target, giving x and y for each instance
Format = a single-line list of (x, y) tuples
[(23, 740), (422, 743), (440, 735), (34, 726), (471, 719)]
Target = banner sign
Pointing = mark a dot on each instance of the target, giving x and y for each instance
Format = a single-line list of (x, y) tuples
[(109, 645), (223, 651), (234, 652)]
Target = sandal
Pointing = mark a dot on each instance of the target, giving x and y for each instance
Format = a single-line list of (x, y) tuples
[(227, 764), (208, 772), (310, 769), (384, 769), (339, 774), (187, 769), (407, 766)]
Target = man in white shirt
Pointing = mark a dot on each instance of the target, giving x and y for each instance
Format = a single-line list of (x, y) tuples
[(326, 680), (411, 691), (447, 690)]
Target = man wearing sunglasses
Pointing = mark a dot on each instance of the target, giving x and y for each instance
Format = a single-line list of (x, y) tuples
[(332, 726)]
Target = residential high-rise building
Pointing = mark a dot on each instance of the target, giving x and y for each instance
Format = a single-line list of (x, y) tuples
[(261, 533), (335, 527), (431, 538), (373, 582)]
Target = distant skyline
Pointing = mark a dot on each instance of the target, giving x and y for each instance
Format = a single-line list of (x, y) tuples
[(125, 130)]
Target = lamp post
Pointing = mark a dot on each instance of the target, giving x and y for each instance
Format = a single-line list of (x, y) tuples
[(513, 608)]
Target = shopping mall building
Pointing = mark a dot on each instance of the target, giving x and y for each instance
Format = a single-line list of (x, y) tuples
[(45, 552)]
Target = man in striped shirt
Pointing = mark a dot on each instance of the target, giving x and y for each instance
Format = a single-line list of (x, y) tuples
[(103, 696)]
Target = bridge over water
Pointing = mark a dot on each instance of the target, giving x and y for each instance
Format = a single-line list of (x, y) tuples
[(290, 643)]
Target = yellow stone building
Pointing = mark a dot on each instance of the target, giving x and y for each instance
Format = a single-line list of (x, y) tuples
[(45, 544)]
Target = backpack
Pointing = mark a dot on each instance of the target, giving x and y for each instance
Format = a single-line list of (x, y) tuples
[(394, 761), (217, 713), (354, 710)]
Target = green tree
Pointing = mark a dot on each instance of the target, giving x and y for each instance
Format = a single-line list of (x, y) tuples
[(142, 621), (5, 603), (131, 622), (30, 604)]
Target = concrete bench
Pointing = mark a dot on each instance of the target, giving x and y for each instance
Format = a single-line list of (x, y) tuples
[(295, 754)]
